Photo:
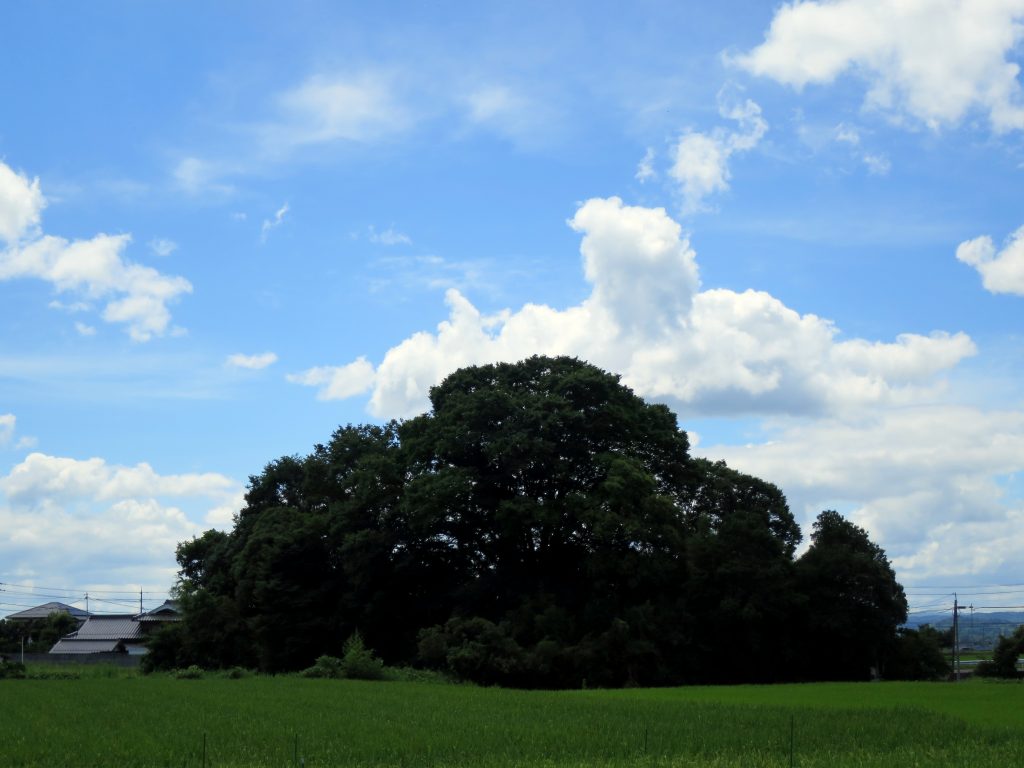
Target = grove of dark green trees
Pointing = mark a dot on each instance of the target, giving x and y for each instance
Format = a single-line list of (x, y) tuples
[(35, 635), (540, 526)]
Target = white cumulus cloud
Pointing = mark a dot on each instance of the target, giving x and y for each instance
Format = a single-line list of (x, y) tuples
[(933, 60), (337, 382), (1001, 271), (700, 161), (926, 481), (92, 270), (252, 362), (86, 521), (21, 203), (712, 351)]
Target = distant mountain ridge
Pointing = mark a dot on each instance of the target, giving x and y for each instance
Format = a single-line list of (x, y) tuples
[(977, 629)]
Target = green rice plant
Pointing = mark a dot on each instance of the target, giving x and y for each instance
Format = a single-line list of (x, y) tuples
[(277, 721)]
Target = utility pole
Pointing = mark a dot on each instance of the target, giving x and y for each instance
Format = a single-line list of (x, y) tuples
[(956, 640), (86, 602), (140, 601)]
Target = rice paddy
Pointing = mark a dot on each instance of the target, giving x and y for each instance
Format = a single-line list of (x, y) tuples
[(106, 720)]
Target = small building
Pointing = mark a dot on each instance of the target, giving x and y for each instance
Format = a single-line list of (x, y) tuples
[(43, 611), (159, 615), (104, 634), (122, 633)]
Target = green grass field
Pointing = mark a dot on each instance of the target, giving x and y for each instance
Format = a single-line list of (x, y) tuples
[(113, 719)]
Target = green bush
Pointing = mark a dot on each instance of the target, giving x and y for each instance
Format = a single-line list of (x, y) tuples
[(358, 662), (326, 667), (472, 649), (192, 672), (11, 669)]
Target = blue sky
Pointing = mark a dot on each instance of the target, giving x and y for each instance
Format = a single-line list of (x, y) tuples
[(226, 229)]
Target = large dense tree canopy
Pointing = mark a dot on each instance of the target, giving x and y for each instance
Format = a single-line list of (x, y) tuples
[(541, 525)]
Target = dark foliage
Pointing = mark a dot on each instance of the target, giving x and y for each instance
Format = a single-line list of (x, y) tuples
[(11, 670), (918, 655), (39, 634), (1004, 657), (541, 526), (853, 602)]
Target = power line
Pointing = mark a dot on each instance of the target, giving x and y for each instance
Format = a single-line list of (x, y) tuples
[(960, 588), (81, 590)]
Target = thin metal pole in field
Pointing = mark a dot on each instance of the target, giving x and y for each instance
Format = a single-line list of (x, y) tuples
[(956, 640), (792, 733)]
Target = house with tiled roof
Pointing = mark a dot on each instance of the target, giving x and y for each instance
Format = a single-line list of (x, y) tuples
[(122, 633), (104, 634), (166, 612), (43, 611)]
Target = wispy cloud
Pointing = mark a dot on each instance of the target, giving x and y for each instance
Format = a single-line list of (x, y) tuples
[(162, 246), (7, 424), (701, 160), (198, 177), (878, 164), (645, 170), (389, 236), (269, 224), (359, 107), (434, 273), (252, 362), (8, 430)]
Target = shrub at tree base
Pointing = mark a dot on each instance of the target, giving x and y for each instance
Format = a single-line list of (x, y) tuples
[(192, 672), (326, 667), (11, 669), (359, 663), (540, 526)]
